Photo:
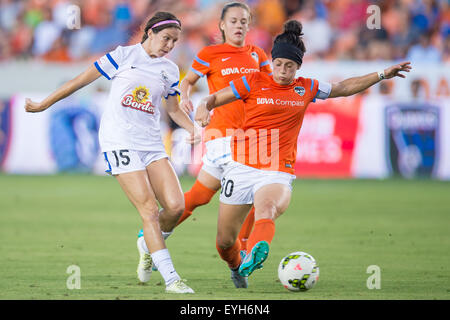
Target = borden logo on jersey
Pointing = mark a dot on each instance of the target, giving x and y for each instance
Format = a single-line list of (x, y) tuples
[(139, 100)]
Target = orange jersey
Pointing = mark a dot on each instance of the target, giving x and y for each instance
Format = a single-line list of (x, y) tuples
[(221, 64), (273, 118)]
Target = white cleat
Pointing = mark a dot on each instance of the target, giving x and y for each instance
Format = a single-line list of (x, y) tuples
[(238, 280), (178, 286), (144, 269)]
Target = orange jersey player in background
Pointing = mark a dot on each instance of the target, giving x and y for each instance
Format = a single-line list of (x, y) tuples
[(221, 64), (264, 151)]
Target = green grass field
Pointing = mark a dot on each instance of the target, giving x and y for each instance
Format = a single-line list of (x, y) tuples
[(48, 223)]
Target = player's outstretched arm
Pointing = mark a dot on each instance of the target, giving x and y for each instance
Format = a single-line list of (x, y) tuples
[(212, 101), (354, 85), (64, 91), (185, 88)]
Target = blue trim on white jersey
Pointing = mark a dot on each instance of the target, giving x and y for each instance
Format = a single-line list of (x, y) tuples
[(109, 165), (175, 84), (114, 63), (234, 90), (221, 157), (172, 94), (206, 64), (101, 71)]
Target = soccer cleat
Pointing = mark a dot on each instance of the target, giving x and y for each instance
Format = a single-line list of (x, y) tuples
[(144, 269), (141, 234), (254, 259), (178, 286), (238, 280)]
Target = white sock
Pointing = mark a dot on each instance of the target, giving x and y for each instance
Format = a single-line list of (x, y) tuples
[(143, 244), (163, 262)]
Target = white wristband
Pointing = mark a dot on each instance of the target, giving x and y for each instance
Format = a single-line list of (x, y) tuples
[(381, 75)]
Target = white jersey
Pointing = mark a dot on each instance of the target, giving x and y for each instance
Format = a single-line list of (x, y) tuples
[(131, 119)]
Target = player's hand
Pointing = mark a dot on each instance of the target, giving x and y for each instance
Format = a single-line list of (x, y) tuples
[(196, 136), (31, 106), (394, 71), (202, 115), (186, 105)]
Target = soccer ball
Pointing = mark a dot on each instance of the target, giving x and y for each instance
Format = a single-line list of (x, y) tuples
[(298, 271)]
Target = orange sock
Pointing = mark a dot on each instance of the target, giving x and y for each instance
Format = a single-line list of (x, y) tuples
[(199, 195), (264, 230), (246, 228), (231, 255)]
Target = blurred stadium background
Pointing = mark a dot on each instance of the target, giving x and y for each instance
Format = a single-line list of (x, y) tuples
[(50, 219), (399, 127)]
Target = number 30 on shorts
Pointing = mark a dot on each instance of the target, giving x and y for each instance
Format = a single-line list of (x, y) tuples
[(227, 187)]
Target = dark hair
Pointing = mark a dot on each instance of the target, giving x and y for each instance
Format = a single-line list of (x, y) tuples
[(292, 35), (158, 17), (225, 10)]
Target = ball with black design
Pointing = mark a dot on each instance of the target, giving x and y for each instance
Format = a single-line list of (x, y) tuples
[(298, 271)]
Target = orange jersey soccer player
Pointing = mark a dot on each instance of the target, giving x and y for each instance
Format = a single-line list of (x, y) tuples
[(264, 151), (221, 64)]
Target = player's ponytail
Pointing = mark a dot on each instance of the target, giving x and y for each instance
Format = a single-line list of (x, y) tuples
[(160, 21), (289, 44)]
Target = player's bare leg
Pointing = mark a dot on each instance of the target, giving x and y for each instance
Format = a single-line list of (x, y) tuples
[(201, 193), (168, 192), (229, 223), (138, 189)]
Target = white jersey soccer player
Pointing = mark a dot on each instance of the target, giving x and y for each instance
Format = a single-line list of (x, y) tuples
[(130, 135), (132, 117)]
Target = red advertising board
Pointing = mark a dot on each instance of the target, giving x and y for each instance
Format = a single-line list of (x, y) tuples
[(327, 139)]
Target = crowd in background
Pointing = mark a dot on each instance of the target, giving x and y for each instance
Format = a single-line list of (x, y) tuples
[(334, 29)]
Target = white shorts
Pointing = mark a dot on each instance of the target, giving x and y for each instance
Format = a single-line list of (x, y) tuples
[(122, 161), (240, 182), (218, 154)]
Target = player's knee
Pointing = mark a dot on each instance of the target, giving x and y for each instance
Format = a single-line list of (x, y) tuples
[(267, 209), (224, 241), (149, 212), (175, 206)]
